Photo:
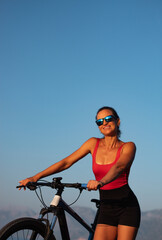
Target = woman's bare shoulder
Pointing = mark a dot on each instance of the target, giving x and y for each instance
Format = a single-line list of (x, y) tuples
[(129, 146), (91, 143)]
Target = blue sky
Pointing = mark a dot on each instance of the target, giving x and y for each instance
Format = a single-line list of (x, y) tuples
[(62, 60)]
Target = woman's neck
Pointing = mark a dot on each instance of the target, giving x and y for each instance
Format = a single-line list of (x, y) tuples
[(111, 142)]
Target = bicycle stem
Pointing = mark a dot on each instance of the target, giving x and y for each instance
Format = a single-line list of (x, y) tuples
[(57, 197)]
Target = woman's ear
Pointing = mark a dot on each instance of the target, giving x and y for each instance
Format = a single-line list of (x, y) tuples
[(118, 122)]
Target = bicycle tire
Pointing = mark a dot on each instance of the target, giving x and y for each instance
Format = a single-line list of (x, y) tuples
[(22, 228)]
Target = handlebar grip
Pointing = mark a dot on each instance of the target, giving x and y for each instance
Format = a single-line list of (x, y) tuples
[(21, 186), (30, 185), (84, 185)]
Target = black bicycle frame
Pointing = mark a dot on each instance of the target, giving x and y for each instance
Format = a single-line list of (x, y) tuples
[(59, 212)]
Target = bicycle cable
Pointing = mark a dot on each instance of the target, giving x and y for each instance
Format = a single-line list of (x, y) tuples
[(40, 197), (42, 200), (76, 199)]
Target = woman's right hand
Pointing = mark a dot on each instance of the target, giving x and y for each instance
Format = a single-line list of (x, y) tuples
[(93, 185), (25, 182)]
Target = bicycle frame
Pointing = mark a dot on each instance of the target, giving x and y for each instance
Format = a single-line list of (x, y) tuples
[(59, 213)]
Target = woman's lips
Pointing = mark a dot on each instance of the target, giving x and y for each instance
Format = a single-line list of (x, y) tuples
[(106, 127)]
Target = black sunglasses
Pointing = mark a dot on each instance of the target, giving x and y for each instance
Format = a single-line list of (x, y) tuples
[(109, 118)]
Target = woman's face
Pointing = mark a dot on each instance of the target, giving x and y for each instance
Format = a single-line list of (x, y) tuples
[(108, 128)]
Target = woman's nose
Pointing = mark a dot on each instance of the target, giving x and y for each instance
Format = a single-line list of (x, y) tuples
[(104, 122)]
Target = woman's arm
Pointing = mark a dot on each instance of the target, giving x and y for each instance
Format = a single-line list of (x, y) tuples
[(64, 164), (126, 158)]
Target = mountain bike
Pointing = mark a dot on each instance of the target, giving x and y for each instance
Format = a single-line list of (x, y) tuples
[(43, 228)]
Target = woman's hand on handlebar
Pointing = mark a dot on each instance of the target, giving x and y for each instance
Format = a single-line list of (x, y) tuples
[(93, 185), (25, 182)]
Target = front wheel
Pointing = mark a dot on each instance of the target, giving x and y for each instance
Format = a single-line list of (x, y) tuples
[(24, 229)]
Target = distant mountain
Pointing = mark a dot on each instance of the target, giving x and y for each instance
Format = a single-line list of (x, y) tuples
[(151, 225), (150, 229)]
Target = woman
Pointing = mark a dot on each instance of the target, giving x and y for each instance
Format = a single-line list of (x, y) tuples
[(119, 216)]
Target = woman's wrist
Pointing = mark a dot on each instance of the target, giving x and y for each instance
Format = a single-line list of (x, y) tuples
[(34, 178), (101, 183)]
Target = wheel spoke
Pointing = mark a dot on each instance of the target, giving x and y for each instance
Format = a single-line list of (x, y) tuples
[(25, 234)]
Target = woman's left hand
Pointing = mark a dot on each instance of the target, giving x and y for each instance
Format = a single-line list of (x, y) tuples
[(92, 185)]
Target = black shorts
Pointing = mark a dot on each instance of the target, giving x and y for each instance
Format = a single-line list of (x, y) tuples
[(119, 207)]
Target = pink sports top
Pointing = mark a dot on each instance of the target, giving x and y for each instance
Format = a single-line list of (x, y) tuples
[(100, 170)]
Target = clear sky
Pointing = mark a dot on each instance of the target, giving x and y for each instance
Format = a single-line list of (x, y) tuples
[(59, 62)]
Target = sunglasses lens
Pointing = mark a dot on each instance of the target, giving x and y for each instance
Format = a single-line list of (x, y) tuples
[(99, 122), (109, 119)]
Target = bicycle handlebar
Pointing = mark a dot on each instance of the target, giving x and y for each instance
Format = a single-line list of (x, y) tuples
[(56, 184)]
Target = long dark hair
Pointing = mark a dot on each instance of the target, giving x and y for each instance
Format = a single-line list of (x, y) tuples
[(114, 114)]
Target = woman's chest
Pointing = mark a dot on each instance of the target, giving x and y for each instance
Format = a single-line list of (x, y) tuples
[(105, 156)]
